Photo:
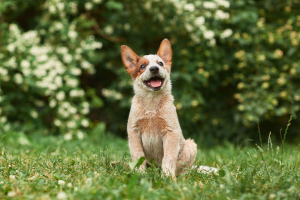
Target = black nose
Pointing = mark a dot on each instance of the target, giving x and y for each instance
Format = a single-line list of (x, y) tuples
[(154, 70)]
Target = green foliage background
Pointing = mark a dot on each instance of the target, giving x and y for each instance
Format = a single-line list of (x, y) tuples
[(235, 63)]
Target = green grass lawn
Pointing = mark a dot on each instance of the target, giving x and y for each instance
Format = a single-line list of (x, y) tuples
[(37, 167)]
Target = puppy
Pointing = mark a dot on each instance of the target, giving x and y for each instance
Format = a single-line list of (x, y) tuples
[(153, 127)]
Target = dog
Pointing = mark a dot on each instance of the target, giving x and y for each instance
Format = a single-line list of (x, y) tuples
[(153, 126)]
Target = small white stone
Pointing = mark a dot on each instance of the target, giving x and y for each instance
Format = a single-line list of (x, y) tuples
[(61, 182), (11, 194), (207, 170), (62, 195)]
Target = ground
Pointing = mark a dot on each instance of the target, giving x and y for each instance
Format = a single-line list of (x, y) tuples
[(48, 167)]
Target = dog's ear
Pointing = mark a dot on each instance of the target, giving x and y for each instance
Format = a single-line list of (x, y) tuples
[(129, 58), (165, 52)]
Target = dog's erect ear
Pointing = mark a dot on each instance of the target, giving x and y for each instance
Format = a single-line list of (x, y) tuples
[(165, 52), (129, 58)]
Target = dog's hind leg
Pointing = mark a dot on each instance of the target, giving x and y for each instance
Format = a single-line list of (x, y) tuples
[(187, 156)]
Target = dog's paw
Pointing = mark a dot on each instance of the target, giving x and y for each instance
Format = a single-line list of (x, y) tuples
[(168, 173), (206, 169)]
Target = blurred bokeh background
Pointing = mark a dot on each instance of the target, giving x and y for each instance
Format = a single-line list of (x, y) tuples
[(236, 65)]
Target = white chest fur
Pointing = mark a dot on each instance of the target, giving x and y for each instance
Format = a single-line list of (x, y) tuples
[(153, 147)]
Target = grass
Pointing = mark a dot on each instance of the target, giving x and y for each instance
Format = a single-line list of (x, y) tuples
[(38, 167)]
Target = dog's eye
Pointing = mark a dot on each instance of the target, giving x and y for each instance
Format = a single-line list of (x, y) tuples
[(160, 64), (143, 66)]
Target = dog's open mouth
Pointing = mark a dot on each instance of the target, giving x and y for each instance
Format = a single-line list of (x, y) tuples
[(154, 83)]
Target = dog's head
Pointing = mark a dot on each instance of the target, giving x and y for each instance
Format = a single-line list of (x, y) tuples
[(150, 72)]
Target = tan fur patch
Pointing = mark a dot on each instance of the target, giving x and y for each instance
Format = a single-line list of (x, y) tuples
[(137, 71)]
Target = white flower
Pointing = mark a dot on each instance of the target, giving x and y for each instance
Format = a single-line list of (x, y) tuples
[(223, 3), (57, 122), (62, 50), (72, 110), (209, 5), (60, 95), (58, 81), (226, 33), (85, 123), (52, 103), (195, 38), (78, 57), (35, 50), (58, 25), (25, 64), (72, 34), (80, 135), (75, 71), (199, 21), (12, 178), (86, 65), (68, 136), (26, 71), (52, 9), (73, 6), (77, 93), (71, 124), (147, 5), (85, 105), (3, 119), (208, 34), (69, 185), (14, 28), (85, 111), (42, 58), (88, 6), (109, 29), (189, 7), (188, 27), (34, 114), (67, 58), (12, 62), (30, 35), (97, 45), (126, 27), (61, 195), (212, 42), (72, 82), (61, 182), (11, 47), (39, 72), (60, 6), (18, 78), (221, 15), (3, 72)]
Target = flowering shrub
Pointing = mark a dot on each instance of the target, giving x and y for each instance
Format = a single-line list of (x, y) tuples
[(40, 70), (235, 62)]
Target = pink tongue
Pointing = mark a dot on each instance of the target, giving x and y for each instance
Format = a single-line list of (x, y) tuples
[(155, 83)]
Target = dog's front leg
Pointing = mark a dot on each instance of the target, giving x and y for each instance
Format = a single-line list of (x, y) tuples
[(136, 147), (171, 150)]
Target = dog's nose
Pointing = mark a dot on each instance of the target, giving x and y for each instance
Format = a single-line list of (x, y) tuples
[(154, 70)]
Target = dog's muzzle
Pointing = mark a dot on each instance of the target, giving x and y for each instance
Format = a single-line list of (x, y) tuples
[(155, 82)]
